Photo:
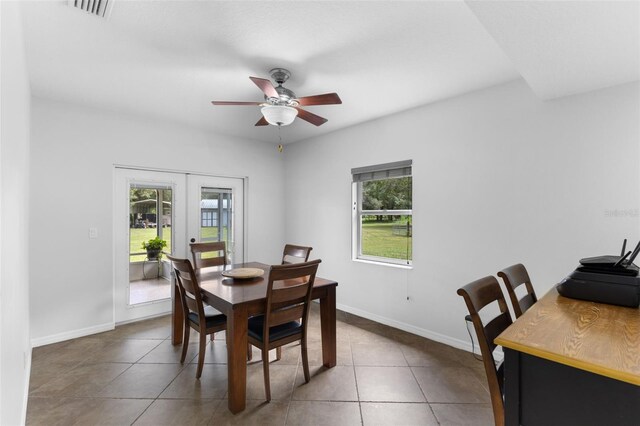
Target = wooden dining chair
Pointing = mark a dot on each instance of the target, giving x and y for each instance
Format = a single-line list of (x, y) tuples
[(477, 295), (215, 254), (514, 276), (295, 254), (286, 313), (195, 310)]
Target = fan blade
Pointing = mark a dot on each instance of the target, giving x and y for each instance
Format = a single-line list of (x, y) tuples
[(262, 122), (235, 103), (326, 99), (266, 86), (310, 117)]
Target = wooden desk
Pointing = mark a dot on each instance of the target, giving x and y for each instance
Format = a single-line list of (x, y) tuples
[(239, 300), (572, 362)]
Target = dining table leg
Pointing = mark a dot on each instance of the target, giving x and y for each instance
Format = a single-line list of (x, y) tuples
[(237, 323), (328, 327), (177, 317)]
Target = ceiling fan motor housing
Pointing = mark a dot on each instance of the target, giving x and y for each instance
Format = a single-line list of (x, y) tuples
[(286, 97), (280, 75)]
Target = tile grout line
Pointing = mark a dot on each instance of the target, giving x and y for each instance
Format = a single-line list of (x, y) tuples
[(355, 377), (423, 394), (184, 366), (159, 393), (433, 413), (295, 377)]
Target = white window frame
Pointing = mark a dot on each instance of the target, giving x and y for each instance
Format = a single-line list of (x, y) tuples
[(378, 172)]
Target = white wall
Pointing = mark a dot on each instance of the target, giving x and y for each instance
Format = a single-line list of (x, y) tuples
[(15, 346), (500, 177), (73, 153)]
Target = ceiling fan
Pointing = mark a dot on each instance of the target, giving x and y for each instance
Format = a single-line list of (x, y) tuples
[(281, 106)]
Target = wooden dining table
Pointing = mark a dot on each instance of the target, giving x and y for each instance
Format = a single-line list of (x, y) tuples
[(241, 299)]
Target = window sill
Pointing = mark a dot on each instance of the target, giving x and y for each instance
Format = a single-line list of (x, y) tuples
[(380, 263)]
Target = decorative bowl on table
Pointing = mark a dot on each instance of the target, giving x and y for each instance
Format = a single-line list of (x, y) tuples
[(243, 273)]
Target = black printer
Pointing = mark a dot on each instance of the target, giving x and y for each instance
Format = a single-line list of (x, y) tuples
[(605, 279)]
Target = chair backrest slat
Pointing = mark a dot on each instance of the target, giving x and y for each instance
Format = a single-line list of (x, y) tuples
[(296, 290), (514, 276), (284, 315), (496, 326), (217, 248), (526, 302), (295, 254), (485, 294)]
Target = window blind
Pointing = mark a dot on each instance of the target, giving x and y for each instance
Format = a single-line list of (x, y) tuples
[(216, 190), (134, 185), (382, 171)]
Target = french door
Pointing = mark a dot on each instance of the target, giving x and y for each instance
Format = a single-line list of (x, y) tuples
[(174, 208), (215, 212)]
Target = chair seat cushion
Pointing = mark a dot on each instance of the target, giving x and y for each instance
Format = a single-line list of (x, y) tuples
[(256, 327), (213, 317)]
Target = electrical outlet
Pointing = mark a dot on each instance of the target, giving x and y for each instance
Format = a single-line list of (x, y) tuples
[(93, 233)]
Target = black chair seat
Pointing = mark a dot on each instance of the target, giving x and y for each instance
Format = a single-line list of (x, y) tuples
[(212, 316), (256, 328)]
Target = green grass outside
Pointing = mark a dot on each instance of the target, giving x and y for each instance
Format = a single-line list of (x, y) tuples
[(378, 240), (138, 235)]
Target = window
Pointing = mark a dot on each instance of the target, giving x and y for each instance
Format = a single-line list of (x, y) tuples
[(208, 220), (382, 213)]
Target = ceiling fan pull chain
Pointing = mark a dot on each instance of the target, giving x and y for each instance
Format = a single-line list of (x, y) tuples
[(280, 148)]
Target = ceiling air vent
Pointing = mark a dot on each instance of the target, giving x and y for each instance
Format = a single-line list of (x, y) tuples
[(101, 8)]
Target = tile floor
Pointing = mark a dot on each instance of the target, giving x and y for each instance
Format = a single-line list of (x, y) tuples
[(132, 375)]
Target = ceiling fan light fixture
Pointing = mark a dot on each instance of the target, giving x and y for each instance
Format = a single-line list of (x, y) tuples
[(279, 115)]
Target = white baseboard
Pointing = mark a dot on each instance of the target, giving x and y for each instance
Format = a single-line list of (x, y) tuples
[(25, 392), (73, 334), (432, 335), (129, 321)]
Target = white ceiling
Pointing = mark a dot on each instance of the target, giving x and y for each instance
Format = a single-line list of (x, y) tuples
[(563, 48), (170, 59)]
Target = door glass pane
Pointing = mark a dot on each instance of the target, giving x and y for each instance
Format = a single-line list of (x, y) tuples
[(150, 217), (216, 218)]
